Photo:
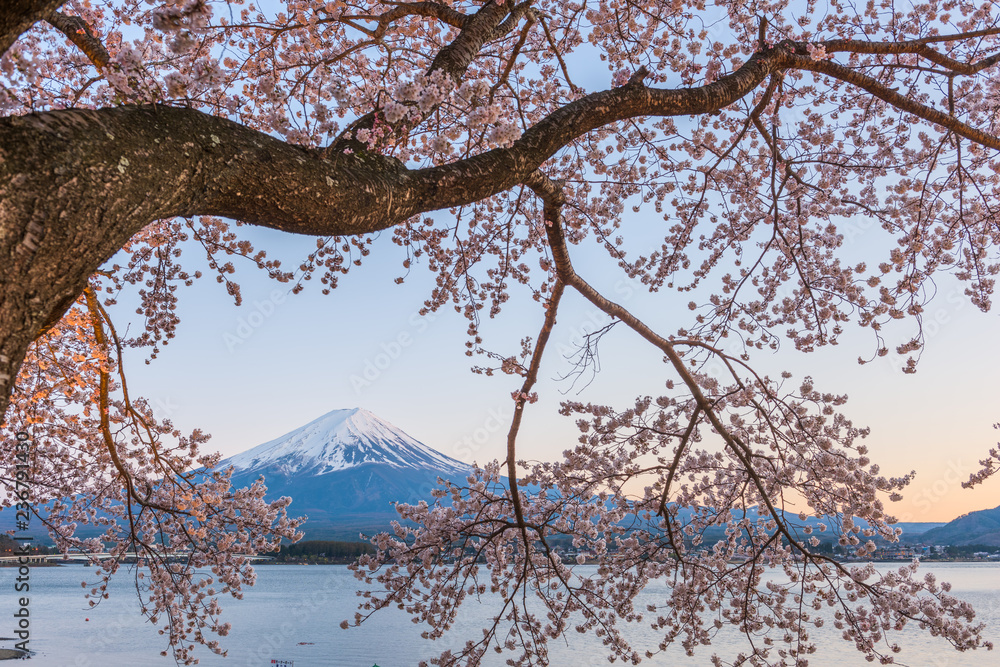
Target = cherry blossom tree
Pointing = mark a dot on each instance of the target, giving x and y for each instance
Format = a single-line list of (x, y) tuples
[(758, 132)]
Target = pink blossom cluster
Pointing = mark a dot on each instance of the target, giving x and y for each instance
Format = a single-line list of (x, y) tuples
[(521, 397), (987, 467), (427, 91), (817, 51), (432, 569), (143, 483)]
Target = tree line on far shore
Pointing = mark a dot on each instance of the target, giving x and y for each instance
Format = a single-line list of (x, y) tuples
[(321, 551)]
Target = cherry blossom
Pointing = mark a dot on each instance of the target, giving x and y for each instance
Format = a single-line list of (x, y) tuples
[(795, 170)]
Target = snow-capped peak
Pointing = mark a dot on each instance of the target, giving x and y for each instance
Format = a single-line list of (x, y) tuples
[(340, 440)]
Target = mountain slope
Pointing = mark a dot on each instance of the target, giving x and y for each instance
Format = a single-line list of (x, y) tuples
[(344, 471), (340, 440), (982, 527)]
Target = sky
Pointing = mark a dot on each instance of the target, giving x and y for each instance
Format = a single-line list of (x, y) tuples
[(252, 373)]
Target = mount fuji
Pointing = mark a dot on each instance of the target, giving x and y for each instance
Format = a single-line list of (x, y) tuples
[(344, 471)]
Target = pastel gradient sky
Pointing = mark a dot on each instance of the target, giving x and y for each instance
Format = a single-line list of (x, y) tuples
[(297, 357), (250, 374)]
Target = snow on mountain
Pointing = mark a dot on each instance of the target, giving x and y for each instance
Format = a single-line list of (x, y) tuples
[(341, 440)]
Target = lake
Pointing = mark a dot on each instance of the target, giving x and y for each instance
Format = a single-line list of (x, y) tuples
[(294, 613)]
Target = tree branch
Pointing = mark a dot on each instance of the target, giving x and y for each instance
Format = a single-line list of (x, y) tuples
[(78, 31), (740, 449), (522, 398), (901, 102), (445, 14), (18, 16), (104, 407), (919, 47), (454, 59)]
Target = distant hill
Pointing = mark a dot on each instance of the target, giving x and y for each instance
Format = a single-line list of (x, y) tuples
[(982, 527), (913, 531)]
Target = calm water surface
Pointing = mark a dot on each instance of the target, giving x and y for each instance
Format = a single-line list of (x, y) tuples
[(294, 613)]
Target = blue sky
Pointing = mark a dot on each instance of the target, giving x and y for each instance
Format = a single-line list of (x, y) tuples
[(249, 374)]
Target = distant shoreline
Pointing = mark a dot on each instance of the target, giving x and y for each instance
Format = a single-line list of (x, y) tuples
[(923, 561)]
